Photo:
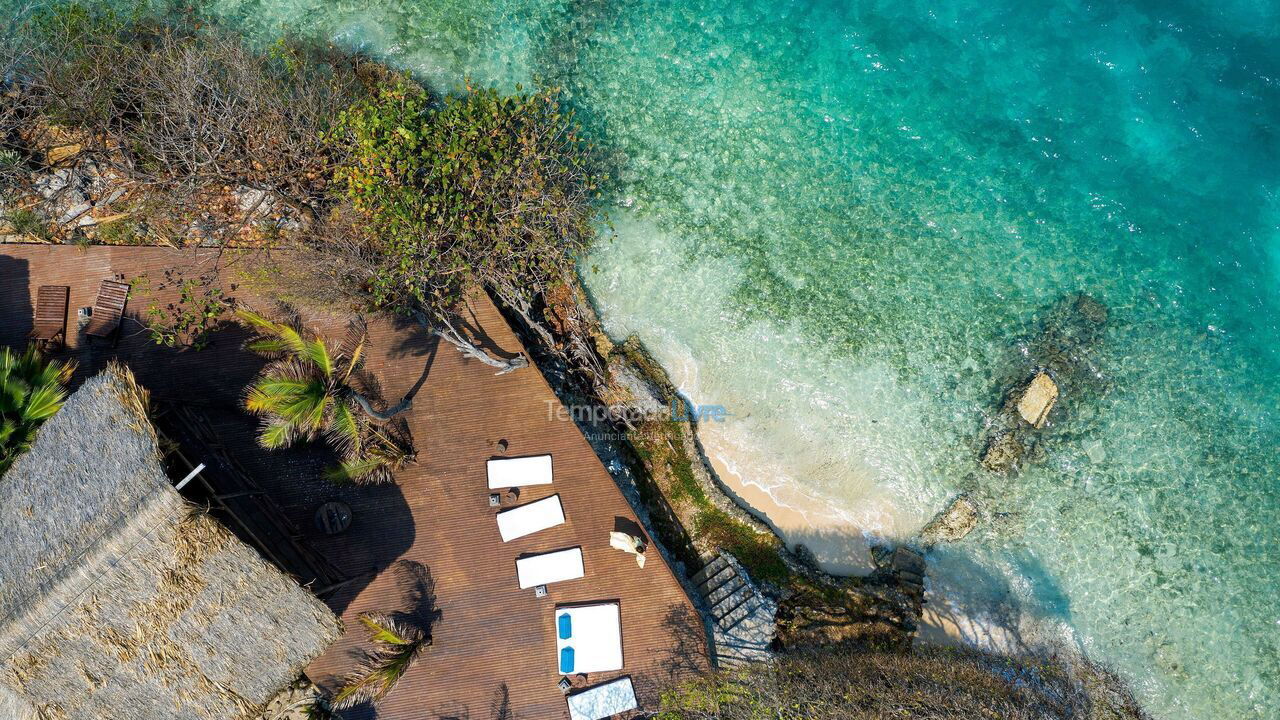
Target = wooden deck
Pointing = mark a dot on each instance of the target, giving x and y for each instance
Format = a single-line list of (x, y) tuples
[(494, 649)]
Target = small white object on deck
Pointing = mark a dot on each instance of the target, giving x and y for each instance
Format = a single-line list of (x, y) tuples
[(595, 634), (601, 701), (516, 472), (183, 482), (549, 567), (529, 519)]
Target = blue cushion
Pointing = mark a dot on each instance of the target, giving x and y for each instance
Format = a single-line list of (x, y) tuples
[(566, 660), (566, 626)]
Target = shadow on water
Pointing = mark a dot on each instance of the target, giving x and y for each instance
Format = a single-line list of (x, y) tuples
[(16, 311), (981, 607)]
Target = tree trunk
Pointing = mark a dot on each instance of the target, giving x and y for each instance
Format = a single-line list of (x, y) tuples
[(469, 349), (404, 404)]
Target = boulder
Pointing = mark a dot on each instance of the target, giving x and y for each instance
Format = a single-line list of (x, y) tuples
[(953, 523), (1038, 399), (1002, 453)]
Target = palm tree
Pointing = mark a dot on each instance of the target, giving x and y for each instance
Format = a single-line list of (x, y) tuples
[(397, 646), (306, 392), (31, 391)]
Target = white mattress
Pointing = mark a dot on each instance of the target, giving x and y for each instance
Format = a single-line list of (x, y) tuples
[(549, 567), (529, 519), (595, 636), (601, 701), (516, 472)]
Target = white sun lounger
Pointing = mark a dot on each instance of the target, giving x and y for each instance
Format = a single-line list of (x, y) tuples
[(601, 701), (529, 519), (549, 567), (516, 472), (588, 638)]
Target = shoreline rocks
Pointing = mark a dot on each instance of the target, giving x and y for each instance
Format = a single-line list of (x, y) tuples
[(1061, 355), (956, 521)]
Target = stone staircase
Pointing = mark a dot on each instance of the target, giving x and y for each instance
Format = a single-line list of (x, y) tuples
[(742, 617)]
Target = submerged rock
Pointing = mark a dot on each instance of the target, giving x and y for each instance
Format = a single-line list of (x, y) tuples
[(1057, 361), (1038, 399), (1002, 453), (958, 519)]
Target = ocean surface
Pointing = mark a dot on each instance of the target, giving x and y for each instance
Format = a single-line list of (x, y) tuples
[(846, 222)]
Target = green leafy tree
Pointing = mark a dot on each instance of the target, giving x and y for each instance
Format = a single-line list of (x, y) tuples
[(31, 391), (306, 392), (478, 189), (397, 646)]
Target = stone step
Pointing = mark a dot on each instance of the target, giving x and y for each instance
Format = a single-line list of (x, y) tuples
[(744, 610), (710, 569), (757, 628), (725, 589), (737, 657), (732, 601), (730, 641), (719, 580)]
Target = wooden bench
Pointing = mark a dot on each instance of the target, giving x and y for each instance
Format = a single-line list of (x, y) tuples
[(50, 331), (108, 309)]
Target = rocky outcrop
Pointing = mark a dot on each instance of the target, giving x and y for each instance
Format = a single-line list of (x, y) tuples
[(958, 519), (1055, 363)]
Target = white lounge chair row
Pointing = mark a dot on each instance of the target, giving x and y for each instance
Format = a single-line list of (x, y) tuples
[(588, 637)]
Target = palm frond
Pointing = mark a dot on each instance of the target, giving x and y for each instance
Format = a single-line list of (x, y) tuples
[(318, 354), (276, 435), (42, 402), (397, 647), (31, 391), (344, 431)]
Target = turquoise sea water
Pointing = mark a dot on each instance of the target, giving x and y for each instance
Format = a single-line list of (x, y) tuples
[(838, 219)]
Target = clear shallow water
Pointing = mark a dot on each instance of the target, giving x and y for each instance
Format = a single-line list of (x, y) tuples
[(837, 219)]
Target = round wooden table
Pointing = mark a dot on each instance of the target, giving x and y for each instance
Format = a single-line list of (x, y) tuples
[(333, 517)]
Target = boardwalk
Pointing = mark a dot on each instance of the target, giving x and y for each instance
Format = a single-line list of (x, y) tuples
[(494, 648)]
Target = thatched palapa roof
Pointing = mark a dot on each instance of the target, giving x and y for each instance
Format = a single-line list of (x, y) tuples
[(118, 599)]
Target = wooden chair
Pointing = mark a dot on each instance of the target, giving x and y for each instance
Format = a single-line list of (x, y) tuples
[(108, 309), (50, 332)]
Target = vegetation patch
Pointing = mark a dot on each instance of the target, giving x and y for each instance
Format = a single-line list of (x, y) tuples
[(31, 391), (929, 683)]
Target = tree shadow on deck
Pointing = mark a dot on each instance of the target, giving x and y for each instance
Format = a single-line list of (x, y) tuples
[(16, 312), (211, 383), (416, 609)]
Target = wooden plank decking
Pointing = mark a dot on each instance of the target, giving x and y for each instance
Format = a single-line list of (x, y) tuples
[(494, 643)]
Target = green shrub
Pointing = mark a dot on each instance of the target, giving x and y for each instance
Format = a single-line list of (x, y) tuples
[(479, 188), (759, 553), (27, 221), (31, 391)]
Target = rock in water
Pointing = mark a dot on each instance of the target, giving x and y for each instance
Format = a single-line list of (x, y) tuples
[(1038, 399), (1003, 452), (953, 523)]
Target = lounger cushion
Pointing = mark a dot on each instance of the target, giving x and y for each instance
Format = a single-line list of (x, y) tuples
[(547, 568), (565, 623), (603, 701), (531, 518), (566, 660), (519, 471), (597, 637)]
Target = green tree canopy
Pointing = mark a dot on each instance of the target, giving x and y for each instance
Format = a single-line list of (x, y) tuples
[(476, 189)]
